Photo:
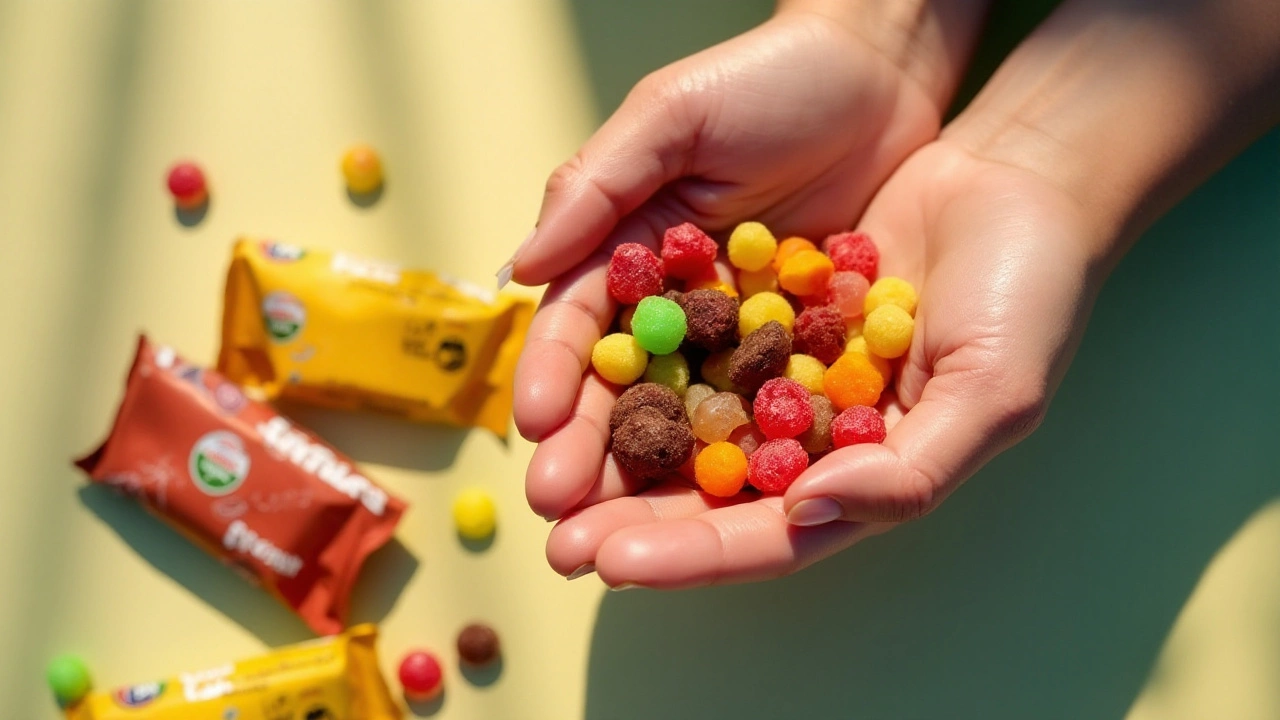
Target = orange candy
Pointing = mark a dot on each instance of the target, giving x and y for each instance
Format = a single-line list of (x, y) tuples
[(853, 380), (789, 247), (806, 273), (721, 469)]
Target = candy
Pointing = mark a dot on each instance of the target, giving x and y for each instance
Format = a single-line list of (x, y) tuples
[(761, 356), (848, 291), (853, 380), (853, 251), (478, 645), (658, 325), (670, 370), (819, 331), (721, 469), (888, 331), (619, 358), (806, 273), (650, 395), (762, 308), (69, 679), (817, 437), (754, 283), (687, 251), (858, 424), (748, 437), (715, 370), (674, 296), (776, 464), (625, 317), (421, 676), (362, 169), (187, 184), (696, 394), (711, 319), (806, 370), (853, 326), (751, 246), (716, 417), (649, 445), (884, 367), (634, 273), (787, 248), (782, 408), (474, 514), (711, 280), (890, 291)]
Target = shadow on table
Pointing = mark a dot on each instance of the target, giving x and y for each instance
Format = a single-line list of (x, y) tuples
[(382, 439), (384, 577)]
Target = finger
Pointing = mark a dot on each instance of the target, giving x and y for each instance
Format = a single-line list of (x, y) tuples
[(566, 464)]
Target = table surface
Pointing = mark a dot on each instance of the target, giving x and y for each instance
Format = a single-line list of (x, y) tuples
[(1123, 560)]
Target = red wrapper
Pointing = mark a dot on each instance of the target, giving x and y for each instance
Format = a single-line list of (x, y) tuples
[(245, 483)]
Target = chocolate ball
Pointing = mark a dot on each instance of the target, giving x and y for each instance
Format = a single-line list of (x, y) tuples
[(762, 356), (649, 445), (712, 319), (660, 397), (478, 644)]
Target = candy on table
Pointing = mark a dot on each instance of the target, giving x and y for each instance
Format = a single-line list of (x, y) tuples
[(651, 395), (890, 291), (658, 325), (478, 645), (806, 273), (782, 408), (421, 676), (619, 358), (474, 514), (751, 246), (69, 679), (776, 464), (696, 394), (762, 308), (853, 251), (806, 370), (188, 186), (718, 416), (817, 437), (711, 318), (858, 424), (853, 380), (859, 345), (819, 331), (671, 370), (753, 283), (624, 319), (648, 445), (634, 273), (721, 469), (848, 292), (362, 169), (715, 370), (748, 437), (687, 251), (888, 331), (787, 248), (763, 355)]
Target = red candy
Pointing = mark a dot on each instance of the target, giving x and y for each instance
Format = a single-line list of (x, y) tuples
[(420, 675), (853, 251), (858, 424), (187, 184), (687, 251), (776, 464), (782, 408), (634, 274), (819, 331)]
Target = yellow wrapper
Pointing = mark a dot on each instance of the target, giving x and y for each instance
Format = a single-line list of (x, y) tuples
[(340, 331), (335, 678)]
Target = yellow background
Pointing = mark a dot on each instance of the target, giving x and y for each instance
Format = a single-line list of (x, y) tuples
[(1126, 559)]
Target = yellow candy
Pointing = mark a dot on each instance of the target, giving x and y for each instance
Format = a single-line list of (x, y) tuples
[(715, 370), (806, 370), (859, 345), (891, 291), (751, 246), (474, 514), (760, 309), (806, 273), (888, 331), (362, 169), (619, 358), (670, 370), (754, 283)]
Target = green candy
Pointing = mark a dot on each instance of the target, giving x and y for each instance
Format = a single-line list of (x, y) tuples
[(68, 676), (658, 325), (670, 370)]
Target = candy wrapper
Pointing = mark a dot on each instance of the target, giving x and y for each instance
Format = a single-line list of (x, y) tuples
[(245, 483), (332, 679), (335, 330)]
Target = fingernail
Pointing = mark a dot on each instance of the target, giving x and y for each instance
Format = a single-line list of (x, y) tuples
[(504, 274), (585, 569), (815, 511), (625, 586)]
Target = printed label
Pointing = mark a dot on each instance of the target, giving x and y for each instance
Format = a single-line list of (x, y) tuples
[(281, 252), (242, 539), (137, 696), (218, 463), (283, 315), (281, 438), (375, 270)]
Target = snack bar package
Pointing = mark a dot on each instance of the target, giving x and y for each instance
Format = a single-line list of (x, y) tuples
[(336, 678), (339, 331), (245, 483)]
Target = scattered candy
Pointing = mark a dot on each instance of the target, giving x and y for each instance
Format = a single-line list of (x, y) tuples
[(751, 246), (474, 514), (884, 367), (853, 380), (648, 445), (658, 325), (819, 331), (782, 408), (776, 464), (687, 251), (806, 273), (888, 331), (696, 394), (711, 318), (817, 438), (787, 248), (858, 424), (748, 437), (721, 469), (421, 676), (187, 185), (647, 395), (718, 416), (634, 273), (853, 251), (715, 370), (762, 308), (754, 283), (69, 679), (619, 358), (806, 370), (478, 645), (890, 291), (848, 291), (362, 169), (763, 355), (671, 370)]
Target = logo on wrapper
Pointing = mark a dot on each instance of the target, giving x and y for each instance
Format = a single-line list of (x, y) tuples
[(283, 315), (137, 696), (281, 252), (219, 463)]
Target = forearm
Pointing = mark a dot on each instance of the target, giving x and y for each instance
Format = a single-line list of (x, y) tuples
[(1126, 106)]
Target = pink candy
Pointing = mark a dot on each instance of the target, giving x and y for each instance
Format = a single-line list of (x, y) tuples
[(776, 464), (848, 291), (853, 251), (782, 408), (858, 424)]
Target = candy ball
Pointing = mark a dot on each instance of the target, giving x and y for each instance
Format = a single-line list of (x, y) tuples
[(859, 345), (421, 676), (854, 252), (687, 251), (695, 395), (721, 469), (474, 514), (890, 291), (806, 370), (848, 291), (763, 355), (69, 679), (754, 283), (648, 445), (858, 424), (888, 331), (776, 464), (658, 325), (711, 319), (853, 380), (817, 438), (819, 331), (619, 358), (751, 246), (478, 645), (807, 273), (670, 370), (718, 416), (748, 437), (634, 273), (787, 248), (187, 184), (647, 395), (362, 169), (760, 309), (782, 408)]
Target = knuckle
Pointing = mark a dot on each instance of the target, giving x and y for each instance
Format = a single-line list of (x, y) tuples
[(564, 177), (1023, 407), (914, 498)]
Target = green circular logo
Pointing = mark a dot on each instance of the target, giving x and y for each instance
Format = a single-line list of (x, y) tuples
[(218, 463), (283, 315)]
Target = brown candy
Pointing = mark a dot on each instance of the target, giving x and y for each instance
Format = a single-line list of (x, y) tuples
[(649, 445), (817, 437), (712, 319), (660, 397), (762, 356), (478, 645)]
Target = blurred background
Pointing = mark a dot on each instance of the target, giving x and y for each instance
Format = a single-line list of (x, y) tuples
[(1123, 562)]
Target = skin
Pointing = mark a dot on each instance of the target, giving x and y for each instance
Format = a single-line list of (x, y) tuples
[(1008, 221)]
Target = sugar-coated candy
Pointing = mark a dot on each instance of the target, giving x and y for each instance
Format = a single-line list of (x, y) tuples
[(782, 408), (715, 370), (711, 319), (806, 273), (696, 394), (687, 251), (853, 380), (806, 370), (890, 291), (474, 514), (748, 437), (421, 676), (721, 469), (187, 184), (659, 325), (648, 445), (817, 438), (819, 331), (671, 370), (362, 169), (763, 355), (650, 395), (624, 319), (787, 248), (619, 358), (776, 464), (888, 331), (762, 308), (853, 251), (69, 679), (848, 291), (857, 424), (859, 345), (478, 645), (751, 246), (758, 281), (634, 273), (853, 327), (716, 417)]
